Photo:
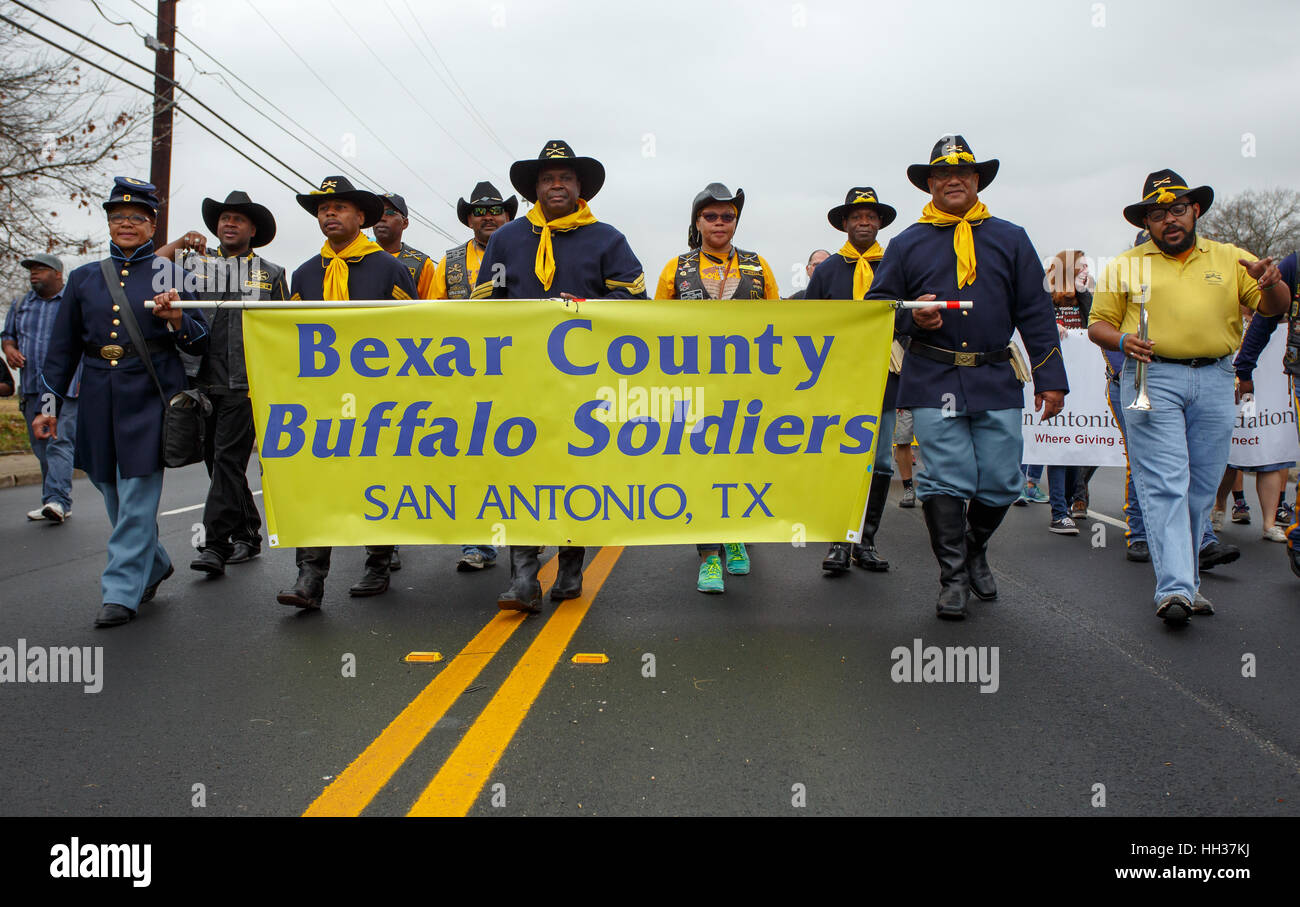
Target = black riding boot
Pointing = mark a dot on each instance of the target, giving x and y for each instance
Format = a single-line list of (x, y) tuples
[(945, 518), (525, 592), (378, 565), (313, 567), (864, 554), (981, 521), (568, 578), (838, 559)]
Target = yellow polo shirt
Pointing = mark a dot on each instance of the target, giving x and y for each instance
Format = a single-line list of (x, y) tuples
[(473, 258), (716, 273), (1192, 305)]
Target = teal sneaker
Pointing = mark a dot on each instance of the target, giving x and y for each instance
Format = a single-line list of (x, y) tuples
[(737, 558), (1036, 495), (710, 575)]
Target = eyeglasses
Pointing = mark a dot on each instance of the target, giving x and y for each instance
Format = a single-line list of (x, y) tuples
[(484, 212), (713, 217), (136, 219), (1156, 215)]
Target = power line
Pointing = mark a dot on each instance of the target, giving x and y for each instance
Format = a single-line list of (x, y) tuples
[(469, 105), (324, 85), (343, 165), (171, 82), (378, 59), (151, 93), (465, 104)]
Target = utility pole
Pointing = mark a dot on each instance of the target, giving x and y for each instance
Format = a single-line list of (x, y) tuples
[(160, 167)]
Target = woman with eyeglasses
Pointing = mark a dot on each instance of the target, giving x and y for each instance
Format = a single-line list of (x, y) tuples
[(119, 419), (714, 268)]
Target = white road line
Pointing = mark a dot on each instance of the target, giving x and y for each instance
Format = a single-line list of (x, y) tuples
[(194, 507), (1119, 524)]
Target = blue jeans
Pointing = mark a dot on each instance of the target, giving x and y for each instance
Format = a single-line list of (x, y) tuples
[(1136, 531), (488, 551), (1033, 472), (54, 454), (974, 456), (1060, 485), (136, 558), (1178, 452)]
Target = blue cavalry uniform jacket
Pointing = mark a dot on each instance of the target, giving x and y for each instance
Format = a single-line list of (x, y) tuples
[(591, 262), (372, 276), (833, 279), (1008, 293), (120, 418)]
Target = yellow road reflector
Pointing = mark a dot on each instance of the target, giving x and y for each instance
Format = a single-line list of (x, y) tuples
[(590, 658), (423, 657)]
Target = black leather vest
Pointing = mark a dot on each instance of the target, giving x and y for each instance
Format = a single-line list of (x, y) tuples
[(689, 285)]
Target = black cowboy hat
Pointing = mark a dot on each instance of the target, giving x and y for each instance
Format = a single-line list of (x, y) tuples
[(239, 202), (1162, 188), (860, 195), (710, 194), (591, 172), (486, 195), (952, 151), (128, 191), (340, 187)]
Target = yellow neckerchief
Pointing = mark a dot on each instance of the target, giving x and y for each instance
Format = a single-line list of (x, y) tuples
[(963, 240), (336, 272), (862, 273), (544, 265)]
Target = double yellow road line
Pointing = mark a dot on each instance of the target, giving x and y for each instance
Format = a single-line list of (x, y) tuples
[(457, 784)]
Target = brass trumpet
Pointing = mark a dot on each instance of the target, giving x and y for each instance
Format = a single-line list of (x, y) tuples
[(1142, 401)]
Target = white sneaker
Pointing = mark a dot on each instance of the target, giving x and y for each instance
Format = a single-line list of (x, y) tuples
[(1275, 534), (35, 515), (1216, 520), (54, 512)]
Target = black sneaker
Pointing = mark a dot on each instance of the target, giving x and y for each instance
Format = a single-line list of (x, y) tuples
[(1216, 553), (1064, 526), (1138, 551)]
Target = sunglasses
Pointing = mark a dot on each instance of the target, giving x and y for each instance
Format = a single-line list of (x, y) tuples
[(1156, 215), (136, 219), (393, 212), (713, 217), (484, 212)]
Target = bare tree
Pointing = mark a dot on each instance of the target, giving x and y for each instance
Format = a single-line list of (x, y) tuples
[(61, 134), (1265, 222)]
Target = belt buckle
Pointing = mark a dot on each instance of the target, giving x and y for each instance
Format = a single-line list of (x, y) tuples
[(112, 351), (967, 359)]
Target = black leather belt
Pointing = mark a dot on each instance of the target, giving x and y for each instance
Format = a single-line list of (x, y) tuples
[(1199, 362), (114, 351), (954, 357)]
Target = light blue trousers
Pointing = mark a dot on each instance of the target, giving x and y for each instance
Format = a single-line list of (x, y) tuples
[(974, 456), (1177, 453), (136, 558)]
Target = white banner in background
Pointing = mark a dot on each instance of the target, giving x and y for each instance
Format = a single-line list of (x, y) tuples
[(1084, 433)]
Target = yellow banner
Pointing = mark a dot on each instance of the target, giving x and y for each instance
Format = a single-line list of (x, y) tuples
[(535, 423)]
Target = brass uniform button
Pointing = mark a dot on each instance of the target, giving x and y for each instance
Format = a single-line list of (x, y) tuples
[(116, 308), (125, 272), (963, 345), (113, 363), (112, 335), (116, 322), (964, 313)]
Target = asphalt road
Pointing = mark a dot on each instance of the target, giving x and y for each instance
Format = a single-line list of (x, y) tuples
[(775, 698)]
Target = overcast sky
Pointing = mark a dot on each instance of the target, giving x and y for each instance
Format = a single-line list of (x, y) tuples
[(794, 102)]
